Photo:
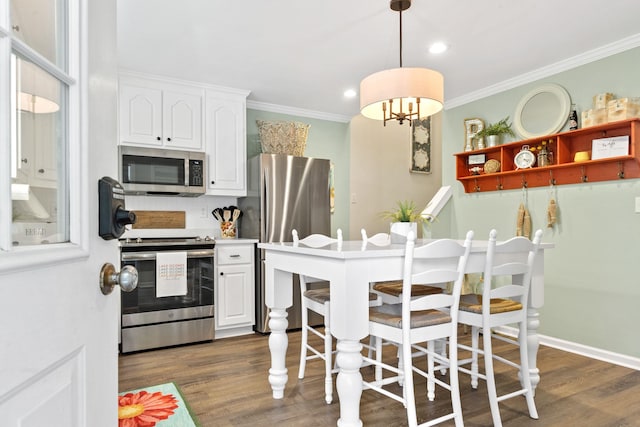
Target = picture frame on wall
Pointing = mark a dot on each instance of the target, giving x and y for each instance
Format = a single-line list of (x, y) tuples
[(421, 145)]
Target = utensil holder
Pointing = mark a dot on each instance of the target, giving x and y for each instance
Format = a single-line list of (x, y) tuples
[(228, 229)]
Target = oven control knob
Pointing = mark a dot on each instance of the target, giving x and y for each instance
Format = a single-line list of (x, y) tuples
[(127, 278), (139, 240), (208, 239)]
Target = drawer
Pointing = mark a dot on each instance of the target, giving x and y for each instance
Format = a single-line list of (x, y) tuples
[(228, 254)]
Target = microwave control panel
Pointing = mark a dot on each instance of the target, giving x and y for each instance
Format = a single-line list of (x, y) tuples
[(196, 173)]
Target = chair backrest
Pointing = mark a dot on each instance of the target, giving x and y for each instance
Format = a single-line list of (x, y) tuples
[(317, 240), (435, 263), (512, 260), (379, 239)]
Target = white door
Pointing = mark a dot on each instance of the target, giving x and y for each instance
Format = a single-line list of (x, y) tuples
[(59, 333)]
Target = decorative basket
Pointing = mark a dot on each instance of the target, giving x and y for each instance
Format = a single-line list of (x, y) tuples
[(283, 137)]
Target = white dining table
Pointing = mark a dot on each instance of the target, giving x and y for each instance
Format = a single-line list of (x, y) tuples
[(349, 267)]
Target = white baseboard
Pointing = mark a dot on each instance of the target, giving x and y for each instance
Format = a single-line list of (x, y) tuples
[(233, 332), (583, 350)]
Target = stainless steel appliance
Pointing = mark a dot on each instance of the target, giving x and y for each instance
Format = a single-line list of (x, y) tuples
[(154, 171), (150, 321), (284, 193)]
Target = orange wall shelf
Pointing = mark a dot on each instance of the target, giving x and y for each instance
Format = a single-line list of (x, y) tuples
[(562, 169)]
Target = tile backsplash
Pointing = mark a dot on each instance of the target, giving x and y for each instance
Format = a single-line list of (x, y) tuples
[(198, 210)]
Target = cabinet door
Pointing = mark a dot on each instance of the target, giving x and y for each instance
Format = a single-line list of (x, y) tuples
[(140, 115), (37, 154), (225, 146), (235, 299), (45, 159), (182, 120)]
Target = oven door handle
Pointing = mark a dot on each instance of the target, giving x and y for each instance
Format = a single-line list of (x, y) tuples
[(149, 256)]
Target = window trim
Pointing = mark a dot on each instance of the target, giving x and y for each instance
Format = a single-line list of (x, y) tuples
[(14, 258)]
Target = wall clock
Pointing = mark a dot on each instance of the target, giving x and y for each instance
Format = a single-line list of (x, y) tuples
[(524, 159)]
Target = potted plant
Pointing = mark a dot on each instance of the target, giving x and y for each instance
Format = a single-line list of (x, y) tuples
[(404, 219), (494, 131)]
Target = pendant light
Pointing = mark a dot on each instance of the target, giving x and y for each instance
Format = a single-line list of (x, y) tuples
[(38, 90), (401, 93)]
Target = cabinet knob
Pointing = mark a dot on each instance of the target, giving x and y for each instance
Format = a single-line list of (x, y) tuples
[(158, 138), (168, 139), (222, 273), (213, 182), (25, 160), (40, 170)]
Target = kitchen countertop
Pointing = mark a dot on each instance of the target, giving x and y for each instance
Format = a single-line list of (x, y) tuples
[(182, 232), (232, 241)]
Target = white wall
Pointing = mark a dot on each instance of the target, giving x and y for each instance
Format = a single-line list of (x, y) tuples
[(380, 172)]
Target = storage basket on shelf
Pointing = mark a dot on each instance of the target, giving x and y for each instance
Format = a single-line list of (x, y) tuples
[(282, 137)]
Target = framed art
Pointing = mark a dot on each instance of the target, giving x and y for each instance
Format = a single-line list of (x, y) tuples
[(421, 145)]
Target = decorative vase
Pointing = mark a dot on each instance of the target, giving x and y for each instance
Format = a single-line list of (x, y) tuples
[(399, 231), (493, 140)]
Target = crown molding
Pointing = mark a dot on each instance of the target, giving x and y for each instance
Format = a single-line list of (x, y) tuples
[(540, 73), (165, 79), (274, 108)]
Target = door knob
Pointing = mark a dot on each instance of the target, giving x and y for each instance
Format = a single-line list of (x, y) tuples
[(127, 278)]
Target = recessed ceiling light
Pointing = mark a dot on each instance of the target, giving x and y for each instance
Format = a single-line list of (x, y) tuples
[(350, 93), (438, 47)]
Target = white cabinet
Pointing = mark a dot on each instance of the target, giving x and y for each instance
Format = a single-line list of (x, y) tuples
[(37, 159), (160, 113), (225, 143), (234, 291)]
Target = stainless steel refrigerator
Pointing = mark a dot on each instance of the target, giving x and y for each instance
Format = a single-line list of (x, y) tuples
[(284, 193)]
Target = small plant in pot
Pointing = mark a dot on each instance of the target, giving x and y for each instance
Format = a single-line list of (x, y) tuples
[(494, 131), (404, 219)]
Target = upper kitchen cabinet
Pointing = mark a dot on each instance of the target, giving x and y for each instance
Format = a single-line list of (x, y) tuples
[(160, 113), (225, 142)]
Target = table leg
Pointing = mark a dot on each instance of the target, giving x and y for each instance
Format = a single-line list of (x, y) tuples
[(349, 382), (533, 342), (278, 342)]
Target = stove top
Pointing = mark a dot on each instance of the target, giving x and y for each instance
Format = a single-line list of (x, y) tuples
[(167, 241)]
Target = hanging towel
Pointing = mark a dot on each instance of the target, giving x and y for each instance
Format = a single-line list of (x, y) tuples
[(171, 274)]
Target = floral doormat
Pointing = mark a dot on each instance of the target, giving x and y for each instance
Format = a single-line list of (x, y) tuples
[(160, 406)]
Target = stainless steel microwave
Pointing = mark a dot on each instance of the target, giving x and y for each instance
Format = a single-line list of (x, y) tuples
[(158, 172)]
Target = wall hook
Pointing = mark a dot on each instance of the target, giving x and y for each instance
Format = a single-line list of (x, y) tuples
[(584, 176), (499, 184), (524, 182), (552, 180), (620, 170), (477, 187)]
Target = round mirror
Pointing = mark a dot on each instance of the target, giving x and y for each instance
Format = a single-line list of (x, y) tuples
[(542, 111)]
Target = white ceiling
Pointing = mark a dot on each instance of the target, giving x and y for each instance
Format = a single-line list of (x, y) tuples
[(304, 54)]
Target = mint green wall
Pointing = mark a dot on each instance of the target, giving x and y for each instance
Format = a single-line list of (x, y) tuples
[(326, 140), (592, 279)]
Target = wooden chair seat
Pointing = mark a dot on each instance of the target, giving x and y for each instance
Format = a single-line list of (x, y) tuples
[(322, 295), (497, 305), (391, 314), (394, 288)]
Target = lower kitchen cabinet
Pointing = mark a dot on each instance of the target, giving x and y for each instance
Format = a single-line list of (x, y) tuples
[(234, 291)]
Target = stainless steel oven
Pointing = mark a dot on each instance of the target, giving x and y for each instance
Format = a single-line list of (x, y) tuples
[(150, 320)]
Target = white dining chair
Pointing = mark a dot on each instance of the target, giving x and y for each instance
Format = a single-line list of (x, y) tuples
[(318, 300), (391, 291), (510, 262), (423, 319)]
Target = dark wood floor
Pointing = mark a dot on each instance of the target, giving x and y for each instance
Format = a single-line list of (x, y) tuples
[(225, 383)]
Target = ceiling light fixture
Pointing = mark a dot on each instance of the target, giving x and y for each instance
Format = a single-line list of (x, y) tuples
[(38, 91), (405, 93), (438, 47)]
